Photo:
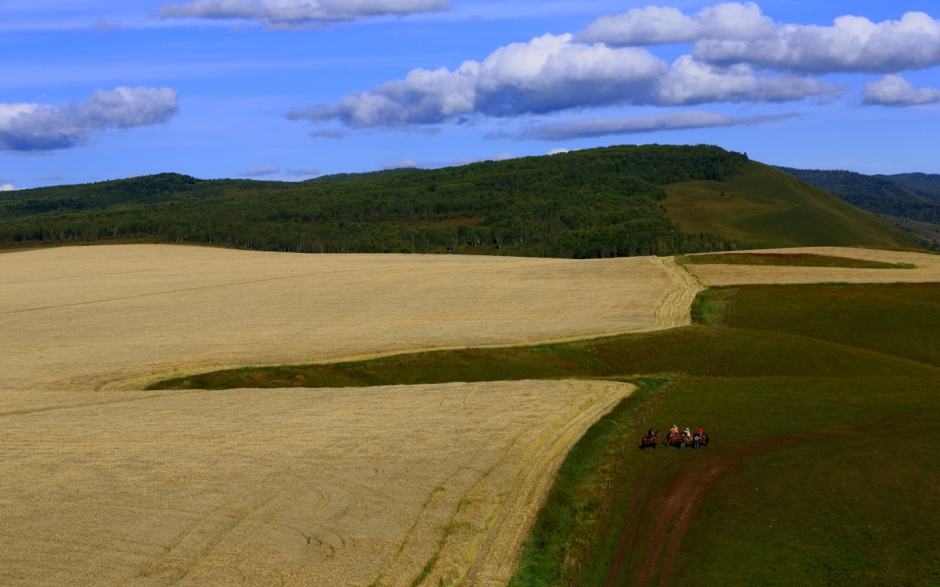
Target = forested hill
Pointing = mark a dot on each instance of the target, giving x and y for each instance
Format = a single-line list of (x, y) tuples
[(591, 203), (913, 196)]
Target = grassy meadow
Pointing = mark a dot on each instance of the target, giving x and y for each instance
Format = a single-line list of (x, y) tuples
[(766, 208), (820, 401)]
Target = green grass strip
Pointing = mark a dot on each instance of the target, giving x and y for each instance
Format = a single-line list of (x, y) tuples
[(789, 260), (579, 506)]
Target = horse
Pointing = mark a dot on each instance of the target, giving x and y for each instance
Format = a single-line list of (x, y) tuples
[(649, 441), (673, 439)]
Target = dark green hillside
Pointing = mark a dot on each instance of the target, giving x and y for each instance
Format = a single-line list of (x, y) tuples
[(592, 203), (766, 208), (839, 182), (925, 183)]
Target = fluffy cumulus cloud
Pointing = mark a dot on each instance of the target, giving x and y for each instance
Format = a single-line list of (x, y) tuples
[(853, 44), (599, 127), (894, 90), (656, 25), (7, 187), (295, 12), (553, 73), (44, 127), (693, 82), (740, 33)]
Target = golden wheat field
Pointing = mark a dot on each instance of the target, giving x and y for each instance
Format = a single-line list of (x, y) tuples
[(104, 485), (316, 487), (118, 317), (927, 269)]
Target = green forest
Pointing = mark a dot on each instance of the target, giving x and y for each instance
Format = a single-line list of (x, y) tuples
[(593, 203)]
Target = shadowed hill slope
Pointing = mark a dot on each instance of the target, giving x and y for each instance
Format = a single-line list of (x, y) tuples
[(765, 207)]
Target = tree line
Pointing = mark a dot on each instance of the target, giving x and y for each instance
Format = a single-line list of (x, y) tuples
[(593, 203)]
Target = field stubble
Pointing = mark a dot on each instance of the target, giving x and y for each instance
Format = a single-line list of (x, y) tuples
[(120, 317), (375, 486)]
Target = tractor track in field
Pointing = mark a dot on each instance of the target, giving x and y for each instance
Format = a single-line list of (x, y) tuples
[(679, 508)]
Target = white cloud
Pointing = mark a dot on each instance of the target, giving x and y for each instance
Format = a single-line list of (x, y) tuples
[(894, 90), (546, 74), (557, 151), (263, 170), (7, 187), (553, 73), (740, 33), (466, 161), (409, 163), (404, 163), (693, 82), (852, 44), (655, 25), (298, 12), (44, 127), (599, 127), (309, 172)]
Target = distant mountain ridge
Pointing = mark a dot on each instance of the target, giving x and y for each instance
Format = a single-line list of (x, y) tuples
[(584, 204), (925, 183), (604, 202), (909, 200)]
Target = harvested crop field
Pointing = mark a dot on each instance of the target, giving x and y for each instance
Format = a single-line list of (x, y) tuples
[(377, 486), (119, 317), (926, 269)]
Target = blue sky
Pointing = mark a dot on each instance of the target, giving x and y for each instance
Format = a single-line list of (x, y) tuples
[(286, 89)]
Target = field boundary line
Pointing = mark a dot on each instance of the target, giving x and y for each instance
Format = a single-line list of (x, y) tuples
[(673, 311), (502, 545)]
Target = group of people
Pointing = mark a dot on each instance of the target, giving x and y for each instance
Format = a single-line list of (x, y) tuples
[(687, 437)]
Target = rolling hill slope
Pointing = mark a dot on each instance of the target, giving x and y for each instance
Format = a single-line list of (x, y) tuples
[(605, 202), (910, 201), (765, 207)]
